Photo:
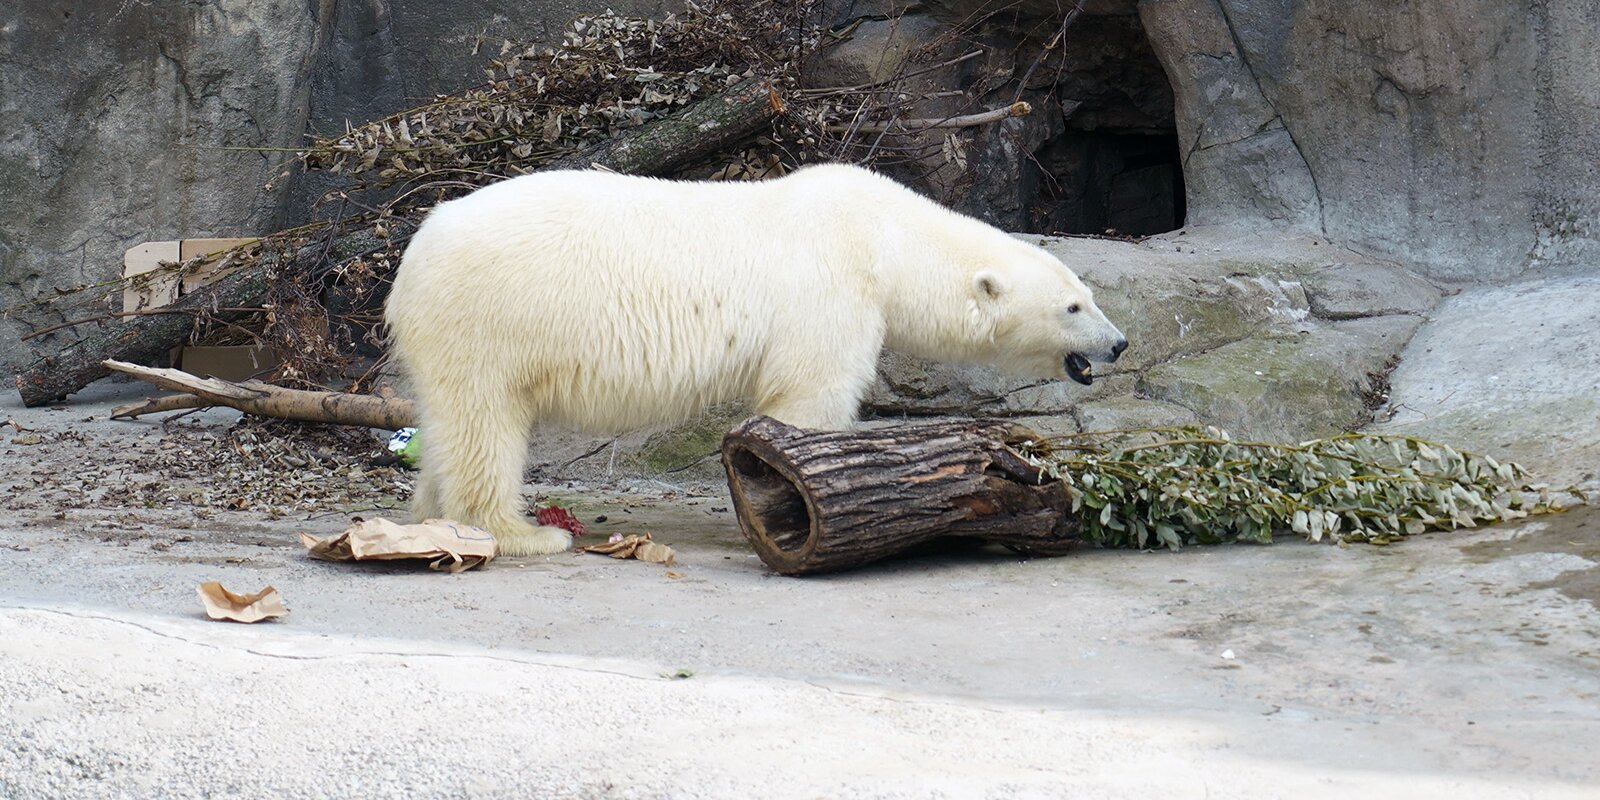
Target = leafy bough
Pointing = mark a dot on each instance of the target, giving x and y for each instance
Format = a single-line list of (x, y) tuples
[(1196, 485)]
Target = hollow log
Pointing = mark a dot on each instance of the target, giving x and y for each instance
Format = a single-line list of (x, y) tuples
[(819, 501), (699, 130)]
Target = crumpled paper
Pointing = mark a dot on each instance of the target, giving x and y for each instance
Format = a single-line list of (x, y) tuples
[(223, 604), (450, 545), (634, 545)]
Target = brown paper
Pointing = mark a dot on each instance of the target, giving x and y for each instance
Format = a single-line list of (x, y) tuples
[(635, 545), (223, 604), (450, 545)]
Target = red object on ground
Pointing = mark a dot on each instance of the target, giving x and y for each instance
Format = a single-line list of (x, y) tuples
[(559, 517)]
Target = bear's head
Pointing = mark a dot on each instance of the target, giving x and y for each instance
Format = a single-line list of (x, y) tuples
[(1040, 320)]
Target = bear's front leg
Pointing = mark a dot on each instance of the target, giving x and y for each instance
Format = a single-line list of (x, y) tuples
[(816, 398)]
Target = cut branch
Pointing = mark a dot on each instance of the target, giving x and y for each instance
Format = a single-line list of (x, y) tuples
[(815, 501), (1017, 109), (160, 405), (702, 129), (266, 400)]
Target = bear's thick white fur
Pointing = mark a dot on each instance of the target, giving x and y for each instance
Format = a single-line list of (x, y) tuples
[(608, 303)]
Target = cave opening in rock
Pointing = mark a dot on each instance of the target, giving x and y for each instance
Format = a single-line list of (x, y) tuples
[(1115, 168)]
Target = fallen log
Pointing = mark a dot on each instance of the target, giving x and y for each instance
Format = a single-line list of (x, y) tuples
[(702, 129), (696, 132), (266, 400), (818, 501)]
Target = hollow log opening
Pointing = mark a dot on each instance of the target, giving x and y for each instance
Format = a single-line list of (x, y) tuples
[(776, 506)]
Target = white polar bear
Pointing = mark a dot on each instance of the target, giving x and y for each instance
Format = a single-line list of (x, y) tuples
[(608, 303)]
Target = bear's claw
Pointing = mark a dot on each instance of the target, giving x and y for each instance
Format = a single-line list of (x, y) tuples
[(534, 540)]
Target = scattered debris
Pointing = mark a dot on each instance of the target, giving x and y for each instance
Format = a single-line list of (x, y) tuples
[(222, 604), (406, 447), (559, 517), (449, 545), (266, 467), (635, 545)]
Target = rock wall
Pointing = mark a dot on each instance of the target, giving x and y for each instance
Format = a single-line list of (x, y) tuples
[(1461, 137), (1458, 137), (114, 119)]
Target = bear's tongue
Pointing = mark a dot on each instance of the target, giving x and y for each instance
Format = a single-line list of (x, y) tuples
[(1078, 369)]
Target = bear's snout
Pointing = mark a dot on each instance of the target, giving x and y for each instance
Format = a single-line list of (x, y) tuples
[(1116, 349)]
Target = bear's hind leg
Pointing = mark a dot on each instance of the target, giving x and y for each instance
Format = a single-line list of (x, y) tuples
[(425, 496), (473, 464)]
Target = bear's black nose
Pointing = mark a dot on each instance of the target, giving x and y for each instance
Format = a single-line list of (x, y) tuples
[(1116, 349)]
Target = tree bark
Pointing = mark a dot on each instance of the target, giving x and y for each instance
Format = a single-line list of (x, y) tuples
[(266, 400), (817, 501), (700, 130)]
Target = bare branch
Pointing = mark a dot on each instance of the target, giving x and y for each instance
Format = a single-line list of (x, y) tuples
[(1017, 109)]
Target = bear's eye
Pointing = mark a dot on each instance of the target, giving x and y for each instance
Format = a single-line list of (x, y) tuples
[(1073, 309)]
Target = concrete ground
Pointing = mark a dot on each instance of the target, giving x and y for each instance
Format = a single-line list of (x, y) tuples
[(1459, 665)]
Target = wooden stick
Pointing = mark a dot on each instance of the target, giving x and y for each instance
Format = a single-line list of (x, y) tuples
[(1017, 109), (266, 400), (158, 405), (815, 501)]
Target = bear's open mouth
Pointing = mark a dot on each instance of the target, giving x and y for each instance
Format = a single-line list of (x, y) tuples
[(1078, 369)]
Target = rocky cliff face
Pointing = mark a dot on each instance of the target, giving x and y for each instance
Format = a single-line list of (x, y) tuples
[(115, 119), (1459, 136)]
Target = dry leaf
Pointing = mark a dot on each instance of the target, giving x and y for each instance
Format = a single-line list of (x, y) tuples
[(637, 546), (223, 604)]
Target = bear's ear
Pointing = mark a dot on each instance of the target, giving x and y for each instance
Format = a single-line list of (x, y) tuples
[(987, 286)]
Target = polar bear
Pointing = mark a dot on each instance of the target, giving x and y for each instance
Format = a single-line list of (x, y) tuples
[(607, 303)]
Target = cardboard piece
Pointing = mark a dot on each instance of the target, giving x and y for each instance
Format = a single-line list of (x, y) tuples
[(205, 272), (159, 290), (231, 363), (228, 362), (634, 545), (163, 289), (225, 605), (449, 545)]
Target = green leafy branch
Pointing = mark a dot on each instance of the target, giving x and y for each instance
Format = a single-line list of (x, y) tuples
[(1196, 485)]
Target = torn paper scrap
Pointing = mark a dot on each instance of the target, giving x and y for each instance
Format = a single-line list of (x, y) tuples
[(223, 604), (447, 545), (634, 545)]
